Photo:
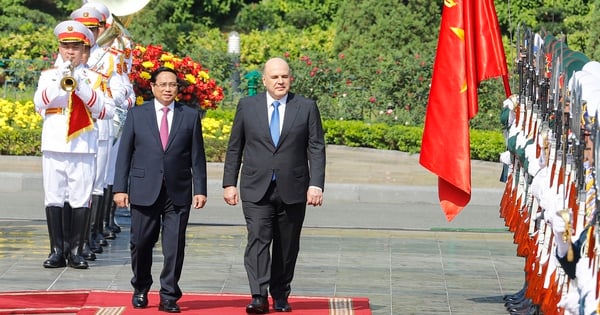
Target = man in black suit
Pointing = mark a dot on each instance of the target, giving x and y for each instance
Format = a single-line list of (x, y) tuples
[(280, 138), (160, 179)]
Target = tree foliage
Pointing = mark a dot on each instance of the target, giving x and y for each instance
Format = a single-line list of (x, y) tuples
[(361, 59), (388, 50)]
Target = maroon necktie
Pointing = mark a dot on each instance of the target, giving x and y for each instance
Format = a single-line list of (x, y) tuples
[(164, 128)]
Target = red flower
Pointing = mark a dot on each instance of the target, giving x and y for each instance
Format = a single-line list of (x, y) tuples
[(198, 88)]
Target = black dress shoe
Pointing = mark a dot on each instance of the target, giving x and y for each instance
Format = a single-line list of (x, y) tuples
[(88, 254), (109, 235), (55, 261), (259, 305), (169, 306), (139, 300), (77, 262), (282, 305)]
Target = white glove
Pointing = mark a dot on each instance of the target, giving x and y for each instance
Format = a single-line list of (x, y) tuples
[(533, 163), (80, 76), (505, 158), (120, 99), (559, 227), (83, 90), (64, 69), (538, 184), (570, 303), (510, 102)]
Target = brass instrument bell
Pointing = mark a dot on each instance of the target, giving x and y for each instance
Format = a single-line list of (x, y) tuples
[(68, 82)]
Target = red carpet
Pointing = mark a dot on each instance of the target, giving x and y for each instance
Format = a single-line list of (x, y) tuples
[(95, 302)]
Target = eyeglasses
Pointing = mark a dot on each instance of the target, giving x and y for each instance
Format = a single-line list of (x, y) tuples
[(165, 84)]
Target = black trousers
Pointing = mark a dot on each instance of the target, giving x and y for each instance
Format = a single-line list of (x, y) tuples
[(146, 224), (272, 225)]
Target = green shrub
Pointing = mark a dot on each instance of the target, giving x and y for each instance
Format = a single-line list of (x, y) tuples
[(485, 145), (20, 142)]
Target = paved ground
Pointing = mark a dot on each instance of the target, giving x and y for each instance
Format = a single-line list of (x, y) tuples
[(380, 234)]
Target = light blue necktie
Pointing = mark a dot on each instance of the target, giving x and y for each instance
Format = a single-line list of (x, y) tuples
[(274, 126)]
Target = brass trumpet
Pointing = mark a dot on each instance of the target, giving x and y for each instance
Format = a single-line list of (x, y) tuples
[(68, 82)]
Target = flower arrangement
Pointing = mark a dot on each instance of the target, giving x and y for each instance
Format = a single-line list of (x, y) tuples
[(198, 88)]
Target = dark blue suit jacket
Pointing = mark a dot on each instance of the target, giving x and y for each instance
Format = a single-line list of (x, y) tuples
[(298, 160), (142, 164)]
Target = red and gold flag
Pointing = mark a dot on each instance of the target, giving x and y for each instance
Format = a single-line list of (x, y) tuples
[(469, 51), (79, 117)]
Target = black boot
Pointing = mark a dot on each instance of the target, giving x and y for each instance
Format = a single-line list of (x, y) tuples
[(56, 259), (86, 251), (111, 208), (100, 236), (66, 225), (109, 234), (94, 229), (78, 226)]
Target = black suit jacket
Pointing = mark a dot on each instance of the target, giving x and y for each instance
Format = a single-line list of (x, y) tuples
[(298, 160), (142, 164)]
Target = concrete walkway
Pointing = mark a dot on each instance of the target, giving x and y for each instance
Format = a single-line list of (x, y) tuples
[(380, 234)]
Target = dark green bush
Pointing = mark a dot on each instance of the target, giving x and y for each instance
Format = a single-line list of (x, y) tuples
[(302, 18), (256, 17)]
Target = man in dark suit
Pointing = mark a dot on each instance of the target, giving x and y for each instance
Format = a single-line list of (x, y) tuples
[(280, 138), (160, 179)]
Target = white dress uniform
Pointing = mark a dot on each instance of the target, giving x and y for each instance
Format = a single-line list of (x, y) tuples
[(68, 160), (118, 87), (99, 61), (110, 61), (75, 157), (103, 64), (124, 97)]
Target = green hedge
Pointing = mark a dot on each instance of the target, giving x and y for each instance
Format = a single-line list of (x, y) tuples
[(485, 145)]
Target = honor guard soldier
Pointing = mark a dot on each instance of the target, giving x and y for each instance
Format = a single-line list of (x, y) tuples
[(101, 64), (91, 18), (70, 105), (108, 61)]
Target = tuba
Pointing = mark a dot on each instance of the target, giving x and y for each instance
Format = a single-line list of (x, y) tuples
[(123, 9)]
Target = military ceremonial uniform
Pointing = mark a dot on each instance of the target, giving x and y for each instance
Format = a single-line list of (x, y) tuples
[(550, 199), (68, 150), (113, 61), (90, 17), (105, 61)]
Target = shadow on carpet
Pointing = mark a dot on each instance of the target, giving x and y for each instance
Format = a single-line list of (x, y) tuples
[(98, 302)]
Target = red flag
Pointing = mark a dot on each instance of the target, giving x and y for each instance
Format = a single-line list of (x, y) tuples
[(79, 117), (469, 51)]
